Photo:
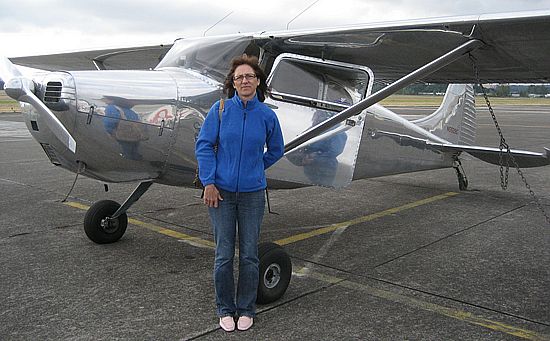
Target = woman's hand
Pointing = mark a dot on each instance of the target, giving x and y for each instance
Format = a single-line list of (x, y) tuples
[(211, 196)]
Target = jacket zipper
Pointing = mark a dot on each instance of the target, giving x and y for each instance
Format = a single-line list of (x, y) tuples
[(241, 152)]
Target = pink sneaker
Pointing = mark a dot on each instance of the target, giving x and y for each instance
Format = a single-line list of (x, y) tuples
[(227, 323), (244, 323)]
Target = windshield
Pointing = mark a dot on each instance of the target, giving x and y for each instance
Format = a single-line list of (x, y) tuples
[(208, 56)]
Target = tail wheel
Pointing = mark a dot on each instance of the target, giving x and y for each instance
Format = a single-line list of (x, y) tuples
[(461, 175), (275, 272), (98, 225), (462, 182)]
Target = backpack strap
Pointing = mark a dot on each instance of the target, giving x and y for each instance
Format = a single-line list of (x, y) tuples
[(220, 110)]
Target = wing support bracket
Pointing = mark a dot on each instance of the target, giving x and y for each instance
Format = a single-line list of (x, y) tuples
[(412, 77), (136, 194), (90, 115)]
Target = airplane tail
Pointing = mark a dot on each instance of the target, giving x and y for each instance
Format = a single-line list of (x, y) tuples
[(455, 119)]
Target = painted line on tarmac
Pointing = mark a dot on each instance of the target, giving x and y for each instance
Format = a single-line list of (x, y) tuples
[(512, 126), (195, 241), (77, 205), (289, 240), (384, 294), (363, 219), (431, 307), (13, 182)]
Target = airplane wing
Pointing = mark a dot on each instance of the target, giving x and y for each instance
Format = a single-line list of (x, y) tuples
[(130, 58), (516, 47), (488, 48)]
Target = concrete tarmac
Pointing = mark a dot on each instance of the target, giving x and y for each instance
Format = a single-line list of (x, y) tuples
[(406, 257)]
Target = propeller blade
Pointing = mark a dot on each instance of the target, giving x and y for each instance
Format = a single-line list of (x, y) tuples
[(22, 89), (47, 115), (8, 70)]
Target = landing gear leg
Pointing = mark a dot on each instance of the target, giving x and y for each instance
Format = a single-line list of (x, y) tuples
[(461, 175), (106, 220)]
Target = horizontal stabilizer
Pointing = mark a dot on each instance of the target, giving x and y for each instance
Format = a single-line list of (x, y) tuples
[(524, 159)]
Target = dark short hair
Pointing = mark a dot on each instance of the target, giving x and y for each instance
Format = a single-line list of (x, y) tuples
[(251, 61)]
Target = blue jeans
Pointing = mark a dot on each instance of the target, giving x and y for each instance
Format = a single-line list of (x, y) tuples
[(245, 210)]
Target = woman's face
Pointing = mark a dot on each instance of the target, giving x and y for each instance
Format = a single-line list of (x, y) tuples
[(245, 81)]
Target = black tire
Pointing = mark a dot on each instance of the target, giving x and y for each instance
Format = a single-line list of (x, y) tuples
[(462, 182), (103, 231), (275, 272)]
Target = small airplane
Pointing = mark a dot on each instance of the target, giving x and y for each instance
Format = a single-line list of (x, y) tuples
[(320, 86)]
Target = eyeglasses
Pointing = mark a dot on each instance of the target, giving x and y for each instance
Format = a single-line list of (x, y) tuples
[(247, 76)]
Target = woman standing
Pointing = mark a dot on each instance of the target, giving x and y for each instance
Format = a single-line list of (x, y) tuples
[(234, 180)]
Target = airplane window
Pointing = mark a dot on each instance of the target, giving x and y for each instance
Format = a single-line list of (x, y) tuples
[(340, 94), (209, 57), (317, 84), (292, 79), (216, 58)]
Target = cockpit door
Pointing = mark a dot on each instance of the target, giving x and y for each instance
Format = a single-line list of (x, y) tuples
[(304, 92)]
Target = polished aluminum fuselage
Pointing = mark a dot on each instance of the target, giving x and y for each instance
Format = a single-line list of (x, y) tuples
[(308, 79), (172, 101)]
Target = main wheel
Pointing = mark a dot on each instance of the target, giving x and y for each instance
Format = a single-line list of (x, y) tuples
[(275, 272), (98, 225)]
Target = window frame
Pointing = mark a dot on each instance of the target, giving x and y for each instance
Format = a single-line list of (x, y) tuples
[(315, 102)]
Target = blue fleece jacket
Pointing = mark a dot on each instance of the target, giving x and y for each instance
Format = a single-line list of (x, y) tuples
[(112, 117), (239, 163)]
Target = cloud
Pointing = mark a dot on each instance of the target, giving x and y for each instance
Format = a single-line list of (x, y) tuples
[(37, 27)]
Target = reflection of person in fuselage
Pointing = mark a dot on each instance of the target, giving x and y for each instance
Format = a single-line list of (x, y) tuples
[(319, 158), (120, 109)]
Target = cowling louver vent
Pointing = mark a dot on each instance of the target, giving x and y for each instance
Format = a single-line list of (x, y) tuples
[(50, 152), (53, 92)]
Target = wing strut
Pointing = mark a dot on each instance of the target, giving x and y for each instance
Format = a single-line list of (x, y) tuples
[(412, 77)]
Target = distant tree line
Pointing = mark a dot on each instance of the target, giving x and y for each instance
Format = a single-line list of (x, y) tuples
[(517, 90), (492, 90)]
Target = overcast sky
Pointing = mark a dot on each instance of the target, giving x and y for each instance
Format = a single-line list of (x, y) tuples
[(33, 27)]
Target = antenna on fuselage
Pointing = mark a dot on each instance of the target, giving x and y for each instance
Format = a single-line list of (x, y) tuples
[(219, 21), (302, 12)]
